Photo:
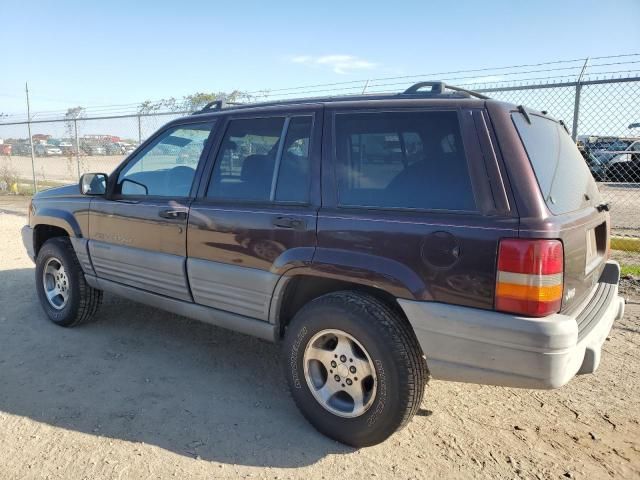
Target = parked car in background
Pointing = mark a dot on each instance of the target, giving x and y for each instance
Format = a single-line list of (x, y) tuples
[(21, 149), (114, 149), (128, 148), (624, 167), (599, 151), (606, 154), (66, 147), (46, 150), (94, 149), (382, 239), (596, 166)]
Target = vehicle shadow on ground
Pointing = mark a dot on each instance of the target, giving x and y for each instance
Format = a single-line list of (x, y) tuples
[(142, 375)]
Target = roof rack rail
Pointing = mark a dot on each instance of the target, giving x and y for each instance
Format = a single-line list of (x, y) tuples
[(216, 105), (438, 88)]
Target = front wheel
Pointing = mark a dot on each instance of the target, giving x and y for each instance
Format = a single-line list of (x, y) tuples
[(354, 367), (63, 292)]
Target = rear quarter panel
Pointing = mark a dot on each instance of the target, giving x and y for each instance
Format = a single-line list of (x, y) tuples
[(536, 221), (439, 256)]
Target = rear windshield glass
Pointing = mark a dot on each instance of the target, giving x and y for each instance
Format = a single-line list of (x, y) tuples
[(563, 176)]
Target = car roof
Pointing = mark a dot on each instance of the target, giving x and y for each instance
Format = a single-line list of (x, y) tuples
[(440, 94)]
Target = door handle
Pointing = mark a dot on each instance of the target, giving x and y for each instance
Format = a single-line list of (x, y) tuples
[(173, 214), (289, 222)]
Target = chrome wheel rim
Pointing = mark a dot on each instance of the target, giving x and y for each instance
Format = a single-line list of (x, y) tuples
[(340, 373), (55, 283)]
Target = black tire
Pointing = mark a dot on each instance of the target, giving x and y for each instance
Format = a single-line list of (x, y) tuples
[(83, 300), (393, 348)]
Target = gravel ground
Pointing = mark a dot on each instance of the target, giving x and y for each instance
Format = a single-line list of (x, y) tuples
[(141, 393)]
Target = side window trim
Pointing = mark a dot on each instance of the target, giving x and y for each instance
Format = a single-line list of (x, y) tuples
[(276, 167)]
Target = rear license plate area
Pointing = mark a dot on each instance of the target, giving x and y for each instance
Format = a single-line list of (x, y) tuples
[(595, 245)]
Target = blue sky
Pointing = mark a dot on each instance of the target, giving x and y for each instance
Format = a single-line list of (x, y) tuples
[(117, 52)]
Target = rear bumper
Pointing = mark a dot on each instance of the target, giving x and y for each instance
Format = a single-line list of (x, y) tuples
[(27, 240), (478, 346)]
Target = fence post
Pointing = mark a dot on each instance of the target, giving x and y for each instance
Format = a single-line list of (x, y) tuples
[(139, 129), (576, 112), (576, 105), (75, 127), (33, 160)]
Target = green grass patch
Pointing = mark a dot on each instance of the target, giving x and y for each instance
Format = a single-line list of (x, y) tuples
[(633, 270), (627, 244)]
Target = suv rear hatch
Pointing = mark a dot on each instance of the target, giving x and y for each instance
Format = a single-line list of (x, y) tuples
[(578, 217)]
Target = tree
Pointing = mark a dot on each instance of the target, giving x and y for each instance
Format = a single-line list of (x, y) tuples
[(193, 102)]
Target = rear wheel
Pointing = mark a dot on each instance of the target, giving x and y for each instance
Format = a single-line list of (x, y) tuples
[(63, 292), (354, 367)]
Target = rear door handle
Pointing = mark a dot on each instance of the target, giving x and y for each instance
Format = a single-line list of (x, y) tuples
[(289, 222), (173, 214)]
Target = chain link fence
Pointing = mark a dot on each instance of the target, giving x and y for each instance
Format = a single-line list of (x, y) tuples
[(603, 118), (602, 115)]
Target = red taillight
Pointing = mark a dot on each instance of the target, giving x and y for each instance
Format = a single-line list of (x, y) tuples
[(530, 276)]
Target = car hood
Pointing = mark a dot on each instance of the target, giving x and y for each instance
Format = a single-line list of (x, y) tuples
[(65, 191)]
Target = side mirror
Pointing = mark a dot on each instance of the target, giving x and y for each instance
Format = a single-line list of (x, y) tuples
[(93, 183)]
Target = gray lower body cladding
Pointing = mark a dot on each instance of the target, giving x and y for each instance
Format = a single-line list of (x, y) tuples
[(157, 272), (234, 288), (81, 247), (213, 316)]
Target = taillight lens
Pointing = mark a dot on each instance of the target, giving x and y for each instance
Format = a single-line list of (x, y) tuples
[(530, 277)]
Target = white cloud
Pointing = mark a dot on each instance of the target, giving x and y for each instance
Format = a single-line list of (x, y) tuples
[(340, 64)]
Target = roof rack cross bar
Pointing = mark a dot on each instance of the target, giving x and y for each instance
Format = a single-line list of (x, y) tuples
[(438, 88), (216, 105)]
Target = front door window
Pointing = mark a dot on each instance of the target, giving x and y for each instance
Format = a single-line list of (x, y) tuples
[(166, 168)]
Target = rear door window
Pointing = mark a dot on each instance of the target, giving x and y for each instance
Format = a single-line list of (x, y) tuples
[(563, 176), (411, 160), (264, 160)]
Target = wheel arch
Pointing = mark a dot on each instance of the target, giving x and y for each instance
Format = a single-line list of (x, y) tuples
[(45, 231), (302, 286), (48, 223)]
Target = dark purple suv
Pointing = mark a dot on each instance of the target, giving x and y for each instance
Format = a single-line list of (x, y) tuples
[(382, 239)]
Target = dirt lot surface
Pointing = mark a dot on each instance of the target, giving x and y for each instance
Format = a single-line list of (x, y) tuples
[(145, 394)]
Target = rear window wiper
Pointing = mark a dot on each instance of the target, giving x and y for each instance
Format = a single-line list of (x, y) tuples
[(524, 113), (564, 125)]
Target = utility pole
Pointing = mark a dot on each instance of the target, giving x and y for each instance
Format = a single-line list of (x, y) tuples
[(33, 160)]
